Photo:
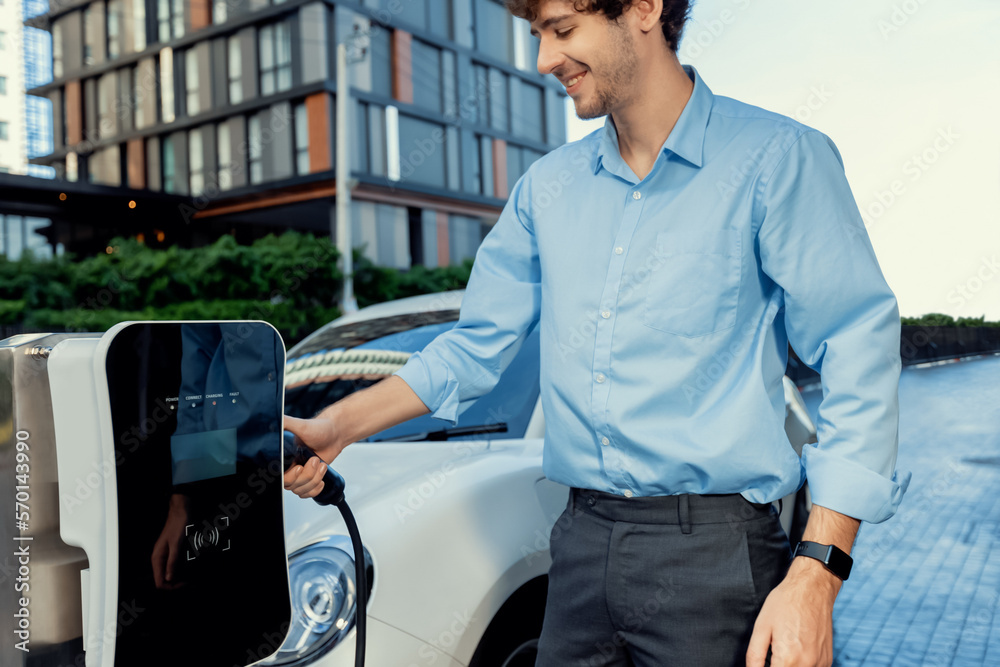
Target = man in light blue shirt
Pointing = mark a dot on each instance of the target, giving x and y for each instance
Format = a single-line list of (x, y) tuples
[(669, 259)]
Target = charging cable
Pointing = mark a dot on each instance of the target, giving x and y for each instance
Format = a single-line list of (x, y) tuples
[(296, 452)]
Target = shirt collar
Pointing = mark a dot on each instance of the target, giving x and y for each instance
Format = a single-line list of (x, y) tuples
[(687, 138)]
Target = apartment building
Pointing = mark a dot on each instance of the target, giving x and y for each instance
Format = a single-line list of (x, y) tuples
[(12, 130), (229, 107)]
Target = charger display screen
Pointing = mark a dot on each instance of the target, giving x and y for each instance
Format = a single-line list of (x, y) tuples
[(196, 411)]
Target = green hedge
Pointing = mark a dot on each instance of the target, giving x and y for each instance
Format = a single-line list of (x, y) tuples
[(291, 281), (942, 320)]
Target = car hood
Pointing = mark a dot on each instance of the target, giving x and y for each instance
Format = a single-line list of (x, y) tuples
[(386, 473)]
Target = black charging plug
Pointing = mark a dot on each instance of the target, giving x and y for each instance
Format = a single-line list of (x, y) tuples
[(297, 453)]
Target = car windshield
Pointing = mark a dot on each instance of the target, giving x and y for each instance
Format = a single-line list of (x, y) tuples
[(346, 359)]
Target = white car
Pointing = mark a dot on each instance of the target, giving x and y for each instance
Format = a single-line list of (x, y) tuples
[(456, 521)]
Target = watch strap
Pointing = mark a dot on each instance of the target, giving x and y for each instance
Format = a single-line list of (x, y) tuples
[(833, 558)]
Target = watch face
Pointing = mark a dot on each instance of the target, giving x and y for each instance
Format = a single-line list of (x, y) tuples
[(196, 414), (835, 560)]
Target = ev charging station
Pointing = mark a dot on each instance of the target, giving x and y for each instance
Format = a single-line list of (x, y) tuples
[(143, 471)]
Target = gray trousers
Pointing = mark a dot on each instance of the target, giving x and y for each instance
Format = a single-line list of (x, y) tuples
[(658, 581)]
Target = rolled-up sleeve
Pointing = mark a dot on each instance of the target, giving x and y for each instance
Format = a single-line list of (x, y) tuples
[(501, 304), (842, 320)]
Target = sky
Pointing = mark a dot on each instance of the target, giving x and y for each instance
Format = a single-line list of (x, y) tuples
[(909, 90)]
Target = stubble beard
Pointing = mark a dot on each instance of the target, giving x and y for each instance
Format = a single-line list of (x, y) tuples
[(617, 72)]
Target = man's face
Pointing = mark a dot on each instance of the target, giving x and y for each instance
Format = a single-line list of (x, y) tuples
[(594, 58)]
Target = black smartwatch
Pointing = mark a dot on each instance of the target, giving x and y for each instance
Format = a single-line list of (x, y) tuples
[(832, 558)]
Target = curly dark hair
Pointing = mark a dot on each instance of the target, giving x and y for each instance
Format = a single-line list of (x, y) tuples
[(674, 16)]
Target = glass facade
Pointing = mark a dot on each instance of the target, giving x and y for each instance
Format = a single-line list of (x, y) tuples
[(301, 140), (169, 167), (234, 68), (436, 112), (169, 19), (20, 234), (196, 162), (256, 153), (224, 153), (275, 49), (114, 28), (191, 83)]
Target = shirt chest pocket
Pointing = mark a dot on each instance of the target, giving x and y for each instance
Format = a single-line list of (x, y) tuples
[(695, 286)]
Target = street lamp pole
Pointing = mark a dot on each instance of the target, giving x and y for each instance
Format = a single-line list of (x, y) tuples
[(343, 230)]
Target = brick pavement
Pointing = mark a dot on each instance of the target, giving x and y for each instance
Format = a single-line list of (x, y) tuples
[(926, 584)]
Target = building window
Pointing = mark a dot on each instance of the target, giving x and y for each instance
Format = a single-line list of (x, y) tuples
[(139, 24), (493, 28), (499, 100), (88, 29), (301, 140), (72, 167), (219, 11), (196, 163), (485, 165), (4, 132), (138, 94), (421, 151), (191, 82), (465, 234), (114, 12), (518, 161), (426, 75), (481, 74), (235, 67), (62, 116), (57, 49), (107, 94), (3, 40), (167, 85), (170, 19), (529, 120), (275, 58), (169, 166), (440, 19), (3, 85), (492, 99), (380, 54), (224, 150), (256, 152)]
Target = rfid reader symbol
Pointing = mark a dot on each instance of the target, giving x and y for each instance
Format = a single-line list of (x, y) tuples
[(207, 537)]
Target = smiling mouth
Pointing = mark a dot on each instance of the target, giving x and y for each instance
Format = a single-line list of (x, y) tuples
[(574, 81)]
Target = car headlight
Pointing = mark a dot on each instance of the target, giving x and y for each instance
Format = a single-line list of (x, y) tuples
[(324, 600)]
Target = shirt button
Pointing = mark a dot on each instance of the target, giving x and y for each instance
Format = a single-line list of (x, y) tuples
[(605, 441), (599, 378), (619, 250), (606, 314), (637, 195), (628, 493)]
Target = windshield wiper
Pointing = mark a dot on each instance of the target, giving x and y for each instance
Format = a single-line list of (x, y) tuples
[(446, 433)]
